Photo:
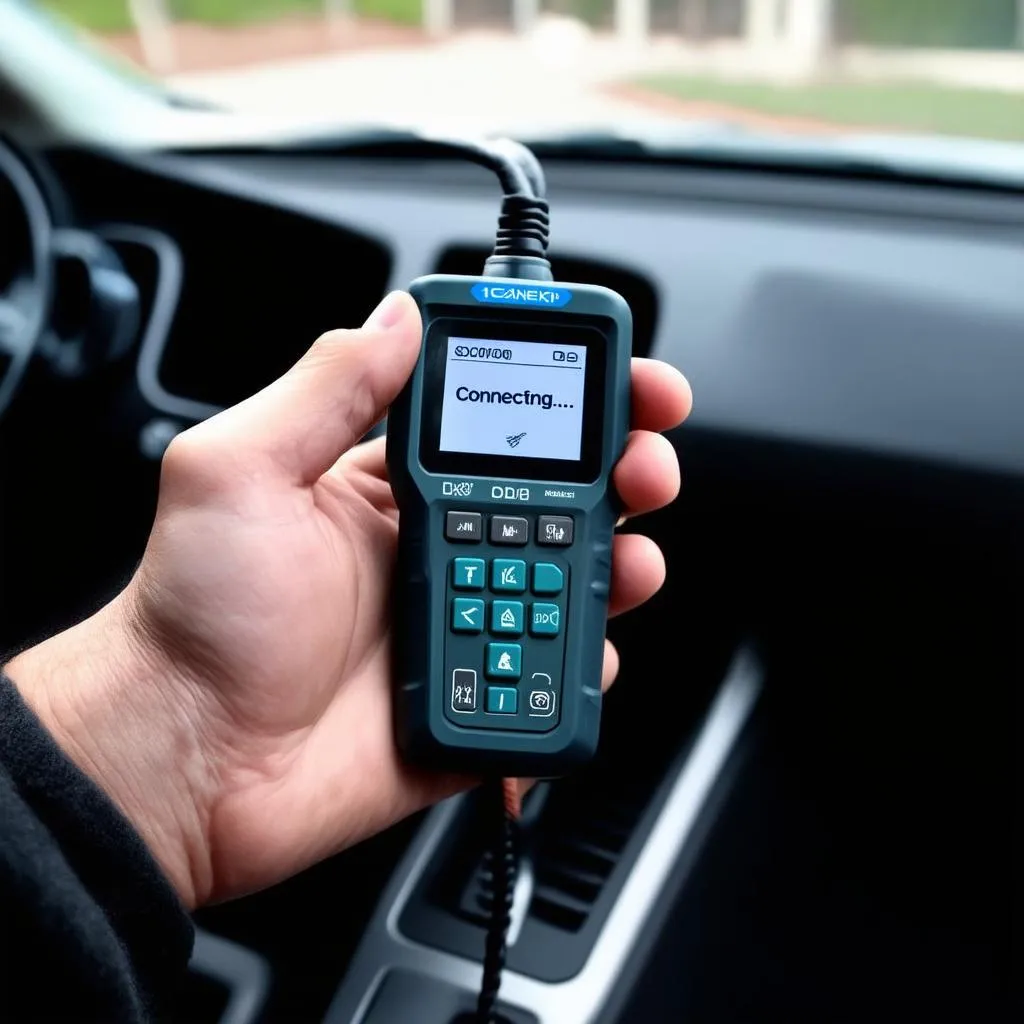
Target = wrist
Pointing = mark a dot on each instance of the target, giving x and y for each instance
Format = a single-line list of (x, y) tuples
[(119, 710)]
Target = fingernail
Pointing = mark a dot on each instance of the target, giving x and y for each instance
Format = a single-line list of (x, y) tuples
[(387, 313)]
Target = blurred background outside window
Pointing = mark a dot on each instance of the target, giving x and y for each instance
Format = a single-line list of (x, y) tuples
[(808, 67)]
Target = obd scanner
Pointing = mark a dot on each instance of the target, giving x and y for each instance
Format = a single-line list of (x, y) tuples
[(500, 451)]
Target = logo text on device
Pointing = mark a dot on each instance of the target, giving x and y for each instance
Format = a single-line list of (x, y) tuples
[(521, 295)]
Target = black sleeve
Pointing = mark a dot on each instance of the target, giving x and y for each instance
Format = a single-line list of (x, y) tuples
[(90, 930)]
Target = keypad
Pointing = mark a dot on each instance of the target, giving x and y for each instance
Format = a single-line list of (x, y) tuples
[(509, 530), (547, 578), (501, 700), (467, 615), (508, 575), (545, 619), (555, 530), (471, 574), (506, 619), (464, 527), (504, 661)]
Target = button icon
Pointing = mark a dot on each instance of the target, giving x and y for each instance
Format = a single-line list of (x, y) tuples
[(504, 661), (509, 530), (547, 579), (464, 690), (467, 615), (501, 700), (555, 530), (507, 617), (544, 619), (508, 574), (541, 703), (467, 527), (468, 574)]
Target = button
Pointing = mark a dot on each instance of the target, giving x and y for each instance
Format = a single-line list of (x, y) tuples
[(464, 526), (540, 703), (467, 615), (544, 619), (554, 530), (501, 700), (469, 574), (464, 690), (504, 661), (509, 530), (507, 617), (547, 578), (509, 575)]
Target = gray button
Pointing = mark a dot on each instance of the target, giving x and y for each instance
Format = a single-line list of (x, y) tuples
[(554, 530), (464, 690), (464, 526), (509, 530)]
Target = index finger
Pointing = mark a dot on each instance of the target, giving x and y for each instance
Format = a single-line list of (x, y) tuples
[(660, 395)]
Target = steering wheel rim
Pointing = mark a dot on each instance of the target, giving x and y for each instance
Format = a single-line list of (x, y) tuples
[(24, 309)]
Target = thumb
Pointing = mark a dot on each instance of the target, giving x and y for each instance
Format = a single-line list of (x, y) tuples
[(334, 394)]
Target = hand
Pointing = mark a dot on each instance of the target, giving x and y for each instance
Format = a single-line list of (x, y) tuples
[(234, 699)]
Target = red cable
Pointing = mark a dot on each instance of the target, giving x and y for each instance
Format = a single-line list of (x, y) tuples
[(513, 801)]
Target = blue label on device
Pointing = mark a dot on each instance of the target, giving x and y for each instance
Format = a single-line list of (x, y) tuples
[(521, 294)]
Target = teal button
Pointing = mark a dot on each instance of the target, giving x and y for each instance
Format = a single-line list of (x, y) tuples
[(508, 574), (545, 619), (507, 617), (468, 574), (547, 578), (501, 700), (467, 615), (504, 661)]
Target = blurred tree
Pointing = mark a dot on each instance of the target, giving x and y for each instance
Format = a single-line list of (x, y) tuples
[(153, 27)]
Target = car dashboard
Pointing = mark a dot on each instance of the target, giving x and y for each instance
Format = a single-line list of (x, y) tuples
[(805, 803)]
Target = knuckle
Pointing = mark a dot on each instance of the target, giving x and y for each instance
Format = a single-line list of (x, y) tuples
[(193, 458), (327, 345)]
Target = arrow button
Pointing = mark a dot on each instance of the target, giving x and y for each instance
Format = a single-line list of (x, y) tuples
[(467, 615)]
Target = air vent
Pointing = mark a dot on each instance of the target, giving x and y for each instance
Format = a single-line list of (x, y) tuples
[(577, 855), (574, 842), (636, 290), (580, 839)]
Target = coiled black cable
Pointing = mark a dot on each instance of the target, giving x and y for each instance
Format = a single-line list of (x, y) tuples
[(502, 867)]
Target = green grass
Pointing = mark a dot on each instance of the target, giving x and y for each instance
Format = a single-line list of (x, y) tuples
[(112, 15), (98, 15), (408, 12), (907, 105)]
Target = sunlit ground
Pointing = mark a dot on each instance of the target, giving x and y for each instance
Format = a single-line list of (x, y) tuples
[(900, 105)]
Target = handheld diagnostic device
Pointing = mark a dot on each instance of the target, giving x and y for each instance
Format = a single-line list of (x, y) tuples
[(500, 452)]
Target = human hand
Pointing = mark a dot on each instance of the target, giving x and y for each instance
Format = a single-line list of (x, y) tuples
[(234, 699)]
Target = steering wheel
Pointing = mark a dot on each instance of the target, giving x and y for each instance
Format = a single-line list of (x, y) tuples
[(26, 270)]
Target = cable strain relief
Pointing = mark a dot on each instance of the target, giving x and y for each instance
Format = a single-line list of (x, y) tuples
[(524, 268), (522, 227)]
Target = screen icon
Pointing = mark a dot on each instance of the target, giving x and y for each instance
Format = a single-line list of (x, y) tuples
[(514, 439)]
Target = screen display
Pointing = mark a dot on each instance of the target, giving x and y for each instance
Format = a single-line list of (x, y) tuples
[(522, 399)]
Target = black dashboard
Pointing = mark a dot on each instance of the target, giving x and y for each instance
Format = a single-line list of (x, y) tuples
[(851, 512), (806, 310)]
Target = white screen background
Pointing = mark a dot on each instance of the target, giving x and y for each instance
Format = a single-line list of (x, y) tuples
[(526, 431)]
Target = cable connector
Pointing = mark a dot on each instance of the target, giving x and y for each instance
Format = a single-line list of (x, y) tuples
[(520, 250)]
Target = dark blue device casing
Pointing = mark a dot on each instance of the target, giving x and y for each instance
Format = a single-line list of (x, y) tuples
[(427, 733)]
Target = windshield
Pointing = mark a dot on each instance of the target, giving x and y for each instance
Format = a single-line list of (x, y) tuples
[(917, 76)]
